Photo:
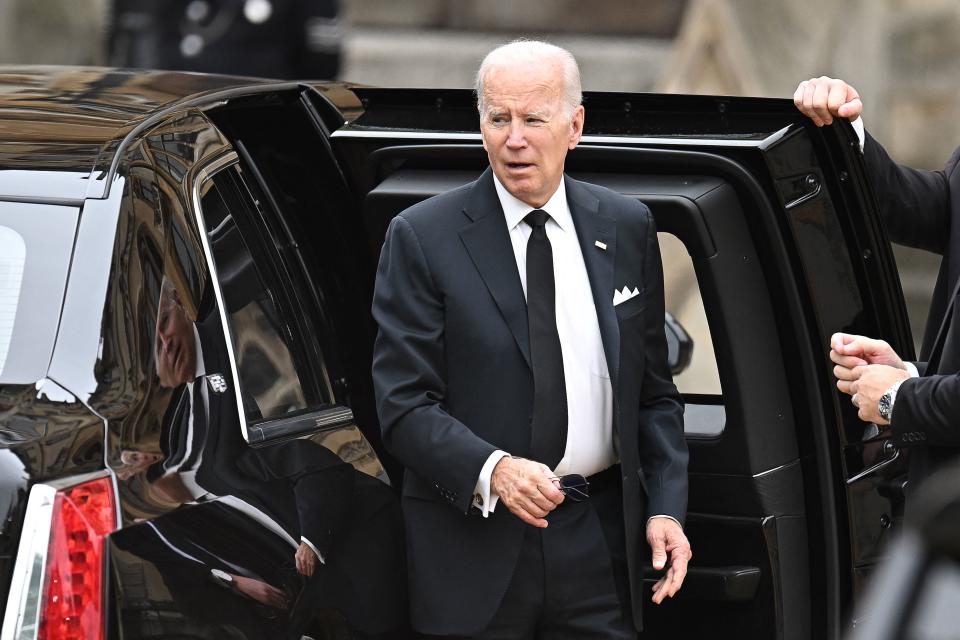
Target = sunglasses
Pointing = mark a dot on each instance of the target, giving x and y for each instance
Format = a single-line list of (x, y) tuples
[(574, 486)]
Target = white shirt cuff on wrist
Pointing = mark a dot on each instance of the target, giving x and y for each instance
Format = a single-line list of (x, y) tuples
[(483, 499), (911, 369), (664, 516), (858, 127), (310, 544)]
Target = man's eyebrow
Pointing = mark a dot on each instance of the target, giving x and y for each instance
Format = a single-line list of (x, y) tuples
[(539, 113)]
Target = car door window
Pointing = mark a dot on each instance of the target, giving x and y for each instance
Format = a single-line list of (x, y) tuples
[(270, 383)]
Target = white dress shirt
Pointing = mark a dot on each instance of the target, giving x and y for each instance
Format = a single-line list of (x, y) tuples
[(590, 445)]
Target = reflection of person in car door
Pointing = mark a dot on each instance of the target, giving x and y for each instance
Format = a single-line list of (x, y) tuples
[(919, 402)]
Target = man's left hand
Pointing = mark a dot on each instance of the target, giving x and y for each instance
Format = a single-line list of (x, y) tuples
[(671, 549), (871, 382), (305, 559)]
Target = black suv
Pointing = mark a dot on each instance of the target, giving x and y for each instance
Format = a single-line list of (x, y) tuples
[(190, 446)]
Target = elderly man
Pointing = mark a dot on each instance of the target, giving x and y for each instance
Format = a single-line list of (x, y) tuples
[(522, 379), (919, 402)]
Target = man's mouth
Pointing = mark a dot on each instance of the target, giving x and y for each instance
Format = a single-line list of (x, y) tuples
[(518, 166)]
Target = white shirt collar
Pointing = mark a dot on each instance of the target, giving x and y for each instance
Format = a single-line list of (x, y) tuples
[(515, 210), (201, 371)]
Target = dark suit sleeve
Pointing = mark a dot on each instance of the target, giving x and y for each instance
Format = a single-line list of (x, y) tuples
[(663, 448), (926, 410), (914, 204), (409, 365)]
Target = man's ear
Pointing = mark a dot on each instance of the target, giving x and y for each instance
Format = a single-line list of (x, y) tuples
[(576, 127)]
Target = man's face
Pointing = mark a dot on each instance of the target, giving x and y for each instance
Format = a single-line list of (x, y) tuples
[(176, 351), (526, 130)]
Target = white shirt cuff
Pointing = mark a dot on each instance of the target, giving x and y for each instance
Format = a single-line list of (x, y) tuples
[(483, 499), (858, 127), (310, 544), (665, 516), (911, 369)]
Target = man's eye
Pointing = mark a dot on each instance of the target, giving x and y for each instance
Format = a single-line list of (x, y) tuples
[(498, 119)]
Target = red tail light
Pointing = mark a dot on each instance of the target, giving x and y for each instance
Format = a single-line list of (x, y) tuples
[(72, 601)]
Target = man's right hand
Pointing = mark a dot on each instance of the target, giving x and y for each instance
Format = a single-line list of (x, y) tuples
[(822, 99), (851, 351), (527, 488)]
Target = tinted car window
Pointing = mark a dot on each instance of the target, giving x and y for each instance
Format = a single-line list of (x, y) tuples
[(270, 383)]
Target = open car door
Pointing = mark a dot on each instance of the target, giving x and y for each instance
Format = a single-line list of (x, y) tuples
[(771, 242)]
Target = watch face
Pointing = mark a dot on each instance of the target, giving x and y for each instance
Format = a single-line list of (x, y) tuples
[(884, 406)]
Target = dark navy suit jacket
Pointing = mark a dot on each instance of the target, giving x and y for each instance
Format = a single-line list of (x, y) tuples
[(921, 209), (454, 383)]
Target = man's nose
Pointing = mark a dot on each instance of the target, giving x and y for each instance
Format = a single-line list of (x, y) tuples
[(516, 139)]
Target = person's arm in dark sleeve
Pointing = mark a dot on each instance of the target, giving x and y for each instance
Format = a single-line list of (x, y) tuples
[(914, 204), (663, 448), (927, 411), (409, 373)]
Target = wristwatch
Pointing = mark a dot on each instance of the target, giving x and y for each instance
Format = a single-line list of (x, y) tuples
[(885, 404), (222, 577)]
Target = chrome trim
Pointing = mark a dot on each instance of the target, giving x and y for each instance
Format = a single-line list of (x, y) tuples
[(59, 202), (296, 426), (21, 618), (774, 469), (810, 195), (589, 139), (208, 171)]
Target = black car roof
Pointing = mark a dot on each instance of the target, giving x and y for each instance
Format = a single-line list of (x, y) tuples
[(65, 117)]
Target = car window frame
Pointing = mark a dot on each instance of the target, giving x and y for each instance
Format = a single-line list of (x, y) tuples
[(313, 418)]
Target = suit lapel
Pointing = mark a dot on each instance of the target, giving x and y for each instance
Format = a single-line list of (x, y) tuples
[(593, 225), (488, 242)]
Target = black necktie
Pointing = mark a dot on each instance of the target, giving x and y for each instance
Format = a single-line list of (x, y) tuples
[(549, 429)]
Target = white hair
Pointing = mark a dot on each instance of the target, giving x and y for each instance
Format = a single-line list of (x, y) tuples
[(533, 52)]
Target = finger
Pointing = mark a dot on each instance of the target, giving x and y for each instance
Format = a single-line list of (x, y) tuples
[(852, 109), (855, 400), (547, 488), (841, 372), (542, 503), (661, 593), (540, 523), (848, 361), (820, 102), (679, 571), (808, 106), (836, 95), (533, 509), (798, 98), (844, 387), (659, 555)]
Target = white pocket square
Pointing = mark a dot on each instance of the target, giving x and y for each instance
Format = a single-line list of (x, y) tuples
[(622, 296)]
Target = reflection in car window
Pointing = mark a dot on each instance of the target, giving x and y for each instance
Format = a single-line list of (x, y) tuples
[(269, 381), (13, 255)]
